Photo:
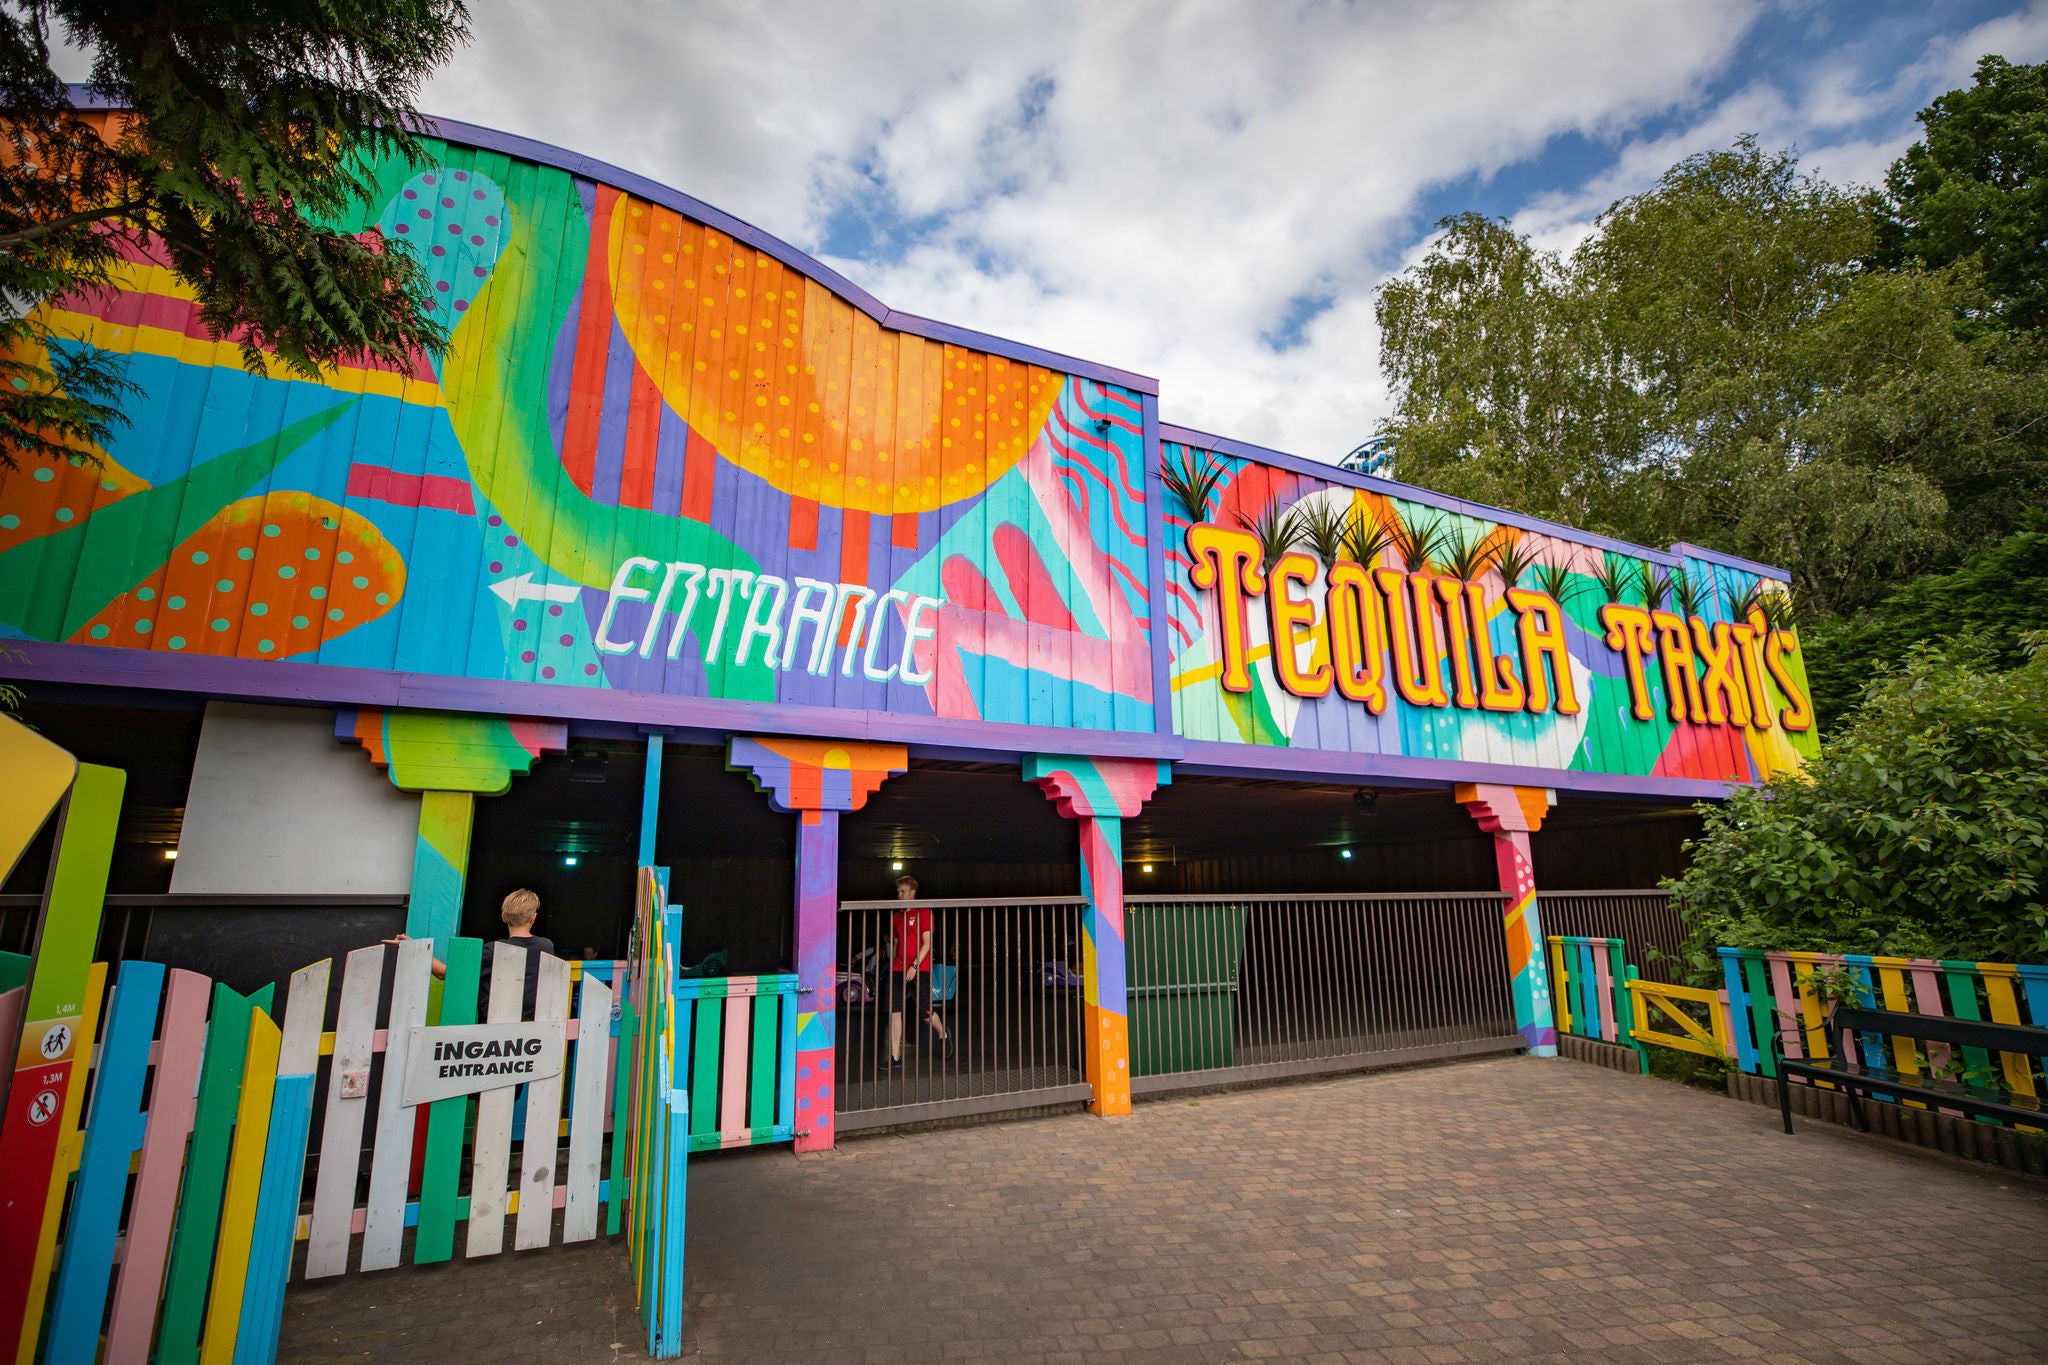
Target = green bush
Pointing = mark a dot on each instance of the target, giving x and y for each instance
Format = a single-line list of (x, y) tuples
[(1921, 830)]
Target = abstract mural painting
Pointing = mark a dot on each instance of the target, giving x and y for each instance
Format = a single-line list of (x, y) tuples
[(1451, 673), (653, 458)]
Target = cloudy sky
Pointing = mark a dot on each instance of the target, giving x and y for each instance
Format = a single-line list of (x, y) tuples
[(1204, 192)]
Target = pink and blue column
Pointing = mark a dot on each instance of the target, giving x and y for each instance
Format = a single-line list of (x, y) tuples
[(1511, 815), (1100, 793), (817, 781)]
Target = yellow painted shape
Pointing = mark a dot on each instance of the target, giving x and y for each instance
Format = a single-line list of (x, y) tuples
[(1211, 672), (1810, 1013), (1998, 991), (38, 775), (1711, 1041), (60, 1172), (245, 1179), (162, 341), (1560, 996), (1891, 980)]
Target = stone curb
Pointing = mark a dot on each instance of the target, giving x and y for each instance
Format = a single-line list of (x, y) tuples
[(1997, 1146), (1612, 1056)]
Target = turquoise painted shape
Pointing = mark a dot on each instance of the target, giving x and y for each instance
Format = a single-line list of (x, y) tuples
[(111, 1141)]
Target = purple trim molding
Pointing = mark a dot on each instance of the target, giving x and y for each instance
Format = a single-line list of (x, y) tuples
[(593, 710), (325, 684), (1208, 757), (1769, 571), (546, 154), (1316, 469)]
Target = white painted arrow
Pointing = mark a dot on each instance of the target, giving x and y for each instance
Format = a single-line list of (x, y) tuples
[(522, 589)]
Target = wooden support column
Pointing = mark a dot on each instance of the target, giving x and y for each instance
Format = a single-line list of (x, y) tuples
[(816, 780), (1100, 793), (450, 759), (1511, 815)]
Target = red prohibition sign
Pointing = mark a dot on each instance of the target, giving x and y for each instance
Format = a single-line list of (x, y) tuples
[(43, 1107)]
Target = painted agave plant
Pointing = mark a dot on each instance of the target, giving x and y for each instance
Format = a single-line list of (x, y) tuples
[(1195, 482), (1322, 529), (1656, 584), (1742, 603), (1616, 576), (1467, 553), (1418, 543), (1779, 609), (1557, 581), (1278, 531), (1514, 558), (1688, 592), (1366, 538)]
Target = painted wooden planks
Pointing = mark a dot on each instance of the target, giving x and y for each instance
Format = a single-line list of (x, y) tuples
[(587, 1113), (732, 1093), (538, 1157), (348, 1101), (391, 1159), (491, 1152), (173, 1102), (206, 1169), (434, 1236), (277, 1208), (244, 1183), (102, 1185)]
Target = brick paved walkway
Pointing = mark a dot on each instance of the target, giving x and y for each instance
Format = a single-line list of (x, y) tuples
[(1504, 1209)]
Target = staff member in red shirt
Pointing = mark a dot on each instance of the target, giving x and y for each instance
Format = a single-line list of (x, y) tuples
[(911, 928)]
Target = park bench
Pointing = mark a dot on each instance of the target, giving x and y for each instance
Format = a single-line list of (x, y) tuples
[(1977, 1093)]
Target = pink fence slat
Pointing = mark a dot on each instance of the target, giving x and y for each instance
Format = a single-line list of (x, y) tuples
[(732, 1099), (1605, 975), (1787, 998), (1927, 1000), (173, 1100)]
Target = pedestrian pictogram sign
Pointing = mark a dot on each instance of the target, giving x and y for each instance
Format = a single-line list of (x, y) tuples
[(43, 1107)]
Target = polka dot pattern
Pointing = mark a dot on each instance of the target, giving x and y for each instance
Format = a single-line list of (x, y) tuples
[(803, 390), (456, 236), (232, 585)]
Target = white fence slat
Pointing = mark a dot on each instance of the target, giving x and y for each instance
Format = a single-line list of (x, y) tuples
[(305, 1015), (341, 1133), (542, 1145), (587, 1112), (391, 1161), (492, 1154)]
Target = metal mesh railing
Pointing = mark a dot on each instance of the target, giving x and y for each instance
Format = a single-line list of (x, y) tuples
[(1227, 988), (1649, 922), (995, 1023)]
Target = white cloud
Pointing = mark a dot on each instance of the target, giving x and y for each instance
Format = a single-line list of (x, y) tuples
[(1154, 185)]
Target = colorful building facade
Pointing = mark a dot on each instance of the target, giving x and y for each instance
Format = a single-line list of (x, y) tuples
[(674, 480)]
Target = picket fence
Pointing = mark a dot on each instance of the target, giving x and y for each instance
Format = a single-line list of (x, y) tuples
[(187, 1260), (739, 1036), (187, 1169), (1768, 992), (1600, 995), (1589, 979), (658, 1119)]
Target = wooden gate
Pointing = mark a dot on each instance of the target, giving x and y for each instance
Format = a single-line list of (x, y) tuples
[(178, 1236)]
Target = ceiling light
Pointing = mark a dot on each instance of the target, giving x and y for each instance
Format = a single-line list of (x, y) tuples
[(1345, 854), (569, 860), (896, 866), (170, 855), (1148, 867)]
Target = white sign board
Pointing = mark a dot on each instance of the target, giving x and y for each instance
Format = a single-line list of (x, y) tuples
[(463, 1059)]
